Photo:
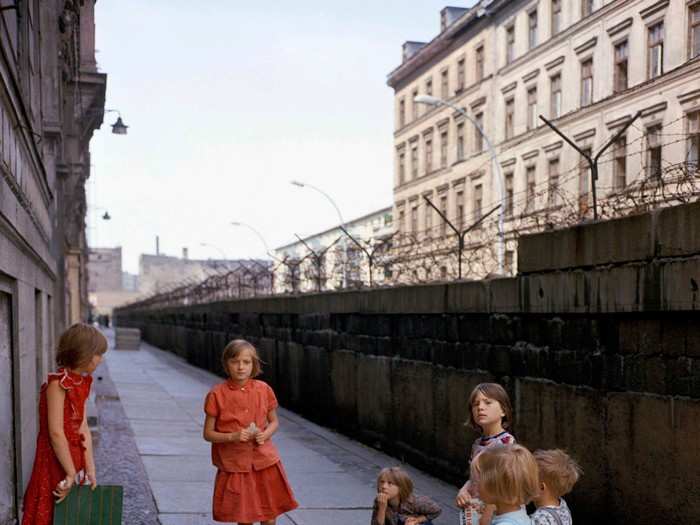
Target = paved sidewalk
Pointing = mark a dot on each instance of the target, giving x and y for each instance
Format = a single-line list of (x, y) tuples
[(332, 476)]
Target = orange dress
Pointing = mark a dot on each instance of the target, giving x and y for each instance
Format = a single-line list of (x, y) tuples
[(251, 484), (47, 471)]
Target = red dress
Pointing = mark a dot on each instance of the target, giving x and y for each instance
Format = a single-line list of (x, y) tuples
[(47, 471), (251, 485)]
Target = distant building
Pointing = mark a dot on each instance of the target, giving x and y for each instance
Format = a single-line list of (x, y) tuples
[(586, 65), (160, 272), (297, 269), (104, 269)]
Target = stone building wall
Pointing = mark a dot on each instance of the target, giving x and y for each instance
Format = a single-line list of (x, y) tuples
[(597, 341), (51, 101)]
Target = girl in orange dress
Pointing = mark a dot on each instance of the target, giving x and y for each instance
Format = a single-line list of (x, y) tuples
[(241, 416), (64, 444)]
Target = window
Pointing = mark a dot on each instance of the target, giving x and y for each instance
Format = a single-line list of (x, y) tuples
[(414, 104), (508, 263), (553, 182), (693, 155), (460, 74), (510, 44), (428, 220), (478, 199), (509, 195), (555, 103), (586, 7), (443, 148), (402, 221), (429, 87), (402, 168), (414, 160), (620, 163), (621, 56), (478, 137), (402, 113), (654, 152), (479, 63), (443, 210), (414, 219), (428, 153), (532, 108), (530, 195), (460, 210), (445, 84), (584, 178), (556, 16), (460, 141), (510, 115), (694, 32), (656, 50), (587, 82), (532, 29), (443, 272)]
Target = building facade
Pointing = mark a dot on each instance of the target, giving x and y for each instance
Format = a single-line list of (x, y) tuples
[(588, 66), (317, 262), (51, 100)]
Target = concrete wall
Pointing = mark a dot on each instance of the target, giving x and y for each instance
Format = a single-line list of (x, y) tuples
[(598, 347)]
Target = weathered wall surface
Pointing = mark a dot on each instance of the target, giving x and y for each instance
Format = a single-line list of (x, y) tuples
[(598, 347)]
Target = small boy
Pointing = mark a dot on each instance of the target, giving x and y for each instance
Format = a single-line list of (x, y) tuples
[(558, 475)]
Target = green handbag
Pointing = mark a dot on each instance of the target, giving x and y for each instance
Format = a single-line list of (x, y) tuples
[(84, 506)]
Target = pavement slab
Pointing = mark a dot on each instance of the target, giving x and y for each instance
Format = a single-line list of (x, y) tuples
[(333, 477)]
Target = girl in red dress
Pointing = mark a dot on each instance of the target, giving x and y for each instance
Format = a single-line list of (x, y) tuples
[(241, 416), (64, 444)]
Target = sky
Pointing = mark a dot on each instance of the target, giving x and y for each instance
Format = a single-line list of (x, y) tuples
[(226, 102)]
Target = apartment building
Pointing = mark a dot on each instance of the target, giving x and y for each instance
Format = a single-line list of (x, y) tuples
[(588, 66), (51, 100), (316, 262)]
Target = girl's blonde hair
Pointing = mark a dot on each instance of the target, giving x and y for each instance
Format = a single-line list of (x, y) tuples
[(558, 470), (497, 393), (398, 477), (508, 474), (78, 344), (237, 346)]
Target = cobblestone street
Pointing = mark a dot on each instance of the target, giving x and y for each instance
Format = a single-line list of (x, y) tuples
[(150, 425)]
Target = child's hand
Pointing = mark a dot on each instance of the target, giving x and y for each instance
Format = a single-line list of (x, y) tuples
[(91, 478), (463, 498), (382, 500), (63, 488), (260, 438), (414, 520), (244, 436)]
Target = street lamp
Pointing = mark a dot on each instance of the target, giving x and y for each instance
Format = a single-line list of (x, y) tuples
[(340, 216), (434, 101), (256, 232), (207, 245), (118, 128)]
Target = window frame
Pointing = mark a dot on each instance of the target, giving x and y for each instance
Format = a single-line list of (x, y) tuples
[(531, 108), (479, 65), (619, 148), (509, 129), (654, 153), (653, 44), (618, 62), (555, 96), (693, 39), (553, 181), (556, 18), (584, 63), (510, 43), (532, 28)]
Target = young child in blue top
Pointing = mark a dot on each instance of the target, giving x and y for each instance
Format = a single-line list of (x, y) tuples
[(508, 480)]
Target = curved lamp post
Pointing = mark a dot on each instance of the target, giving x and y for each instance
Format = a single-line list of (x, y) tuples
[(300, 184), (434, 101), (207, 245), (257, 233)]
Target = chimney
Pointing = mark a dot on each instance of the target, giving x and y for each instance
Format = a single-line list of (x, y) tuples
[(157, 245), (185, 253)]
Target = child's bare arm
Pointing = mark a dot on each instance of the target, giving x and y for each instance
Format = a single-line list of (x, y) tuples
[(55, 397), (272, 426), (213, 436), (89, 456), (487, 515), (463, 496)]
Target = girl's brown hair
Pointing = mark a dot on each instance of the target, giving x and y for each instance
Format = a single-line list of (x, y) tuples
[(234, 348), (509, 475), (78, 345), (497, 393), (398, 477)]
